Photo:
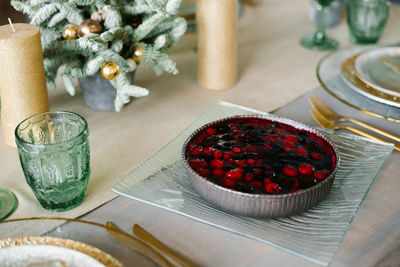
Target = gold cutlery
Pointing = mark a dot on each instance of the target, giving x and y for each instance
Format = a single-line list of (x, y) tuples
[(150, 239), (137, 245), (334, 117), (324, 122)]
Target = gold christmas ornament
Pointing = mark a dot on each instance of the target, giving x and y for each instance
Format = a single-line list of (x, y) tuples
[(70, 32), (89, 26), (138, 52), (110, 70)]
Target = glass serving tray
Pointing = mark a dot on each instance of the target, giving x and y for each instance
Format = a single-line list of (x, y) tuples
[(315, 234)]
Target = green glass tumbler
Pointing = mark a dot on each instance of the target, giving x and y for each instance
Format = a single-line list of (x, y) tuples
[(366, 20), (53, 149)]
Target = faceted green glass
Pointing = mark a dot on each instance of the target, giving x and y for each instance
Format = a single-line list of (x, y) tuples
[(54, 152), (367, 19)]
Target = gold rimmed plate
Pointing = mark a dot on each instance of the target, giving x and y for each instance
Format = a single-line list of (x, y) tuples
[(330, 76), (370, 69), (35, 250), (94, 239), (350, 77)]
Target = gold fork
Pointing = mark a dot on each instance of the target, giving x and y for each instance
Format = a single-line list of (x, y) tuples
[(331, 115), (324, 122), (149, 238)]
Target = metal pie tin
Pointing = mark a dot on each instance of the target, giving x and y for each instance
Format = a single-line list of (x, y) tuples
[(260, 205)]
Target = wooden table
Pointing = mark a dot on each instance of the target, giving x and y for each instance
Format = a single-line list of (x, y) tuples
[(274, 71)]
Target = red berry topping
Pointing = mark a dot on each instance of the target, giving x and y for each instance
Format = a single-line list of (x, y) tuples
[(316, 156), (305, 169), (260, 156), (198, 163), (251, 161), (210, 131), (196, 150), (218, 154), (240, 163), (268, 138), (203, 172), (228, 183), (288, 144), (217, 163), (257, 184), (235, 174), (267, 180), (292, 138), (290, 171), (320, 175), (301, 151), (272, 188), (236, 149), (267, 167), (228, 155), (208, 150), (219, 173), (249, 177), (257, 171)]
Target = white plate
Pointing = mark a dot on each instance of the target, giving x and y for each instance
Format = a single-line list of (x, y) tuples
[(45, 255), (349, 76), (372, 71)]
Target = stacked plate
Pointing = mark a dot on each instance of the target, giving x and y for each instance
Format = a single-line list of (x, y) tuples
[(364, 77), (375, 73)]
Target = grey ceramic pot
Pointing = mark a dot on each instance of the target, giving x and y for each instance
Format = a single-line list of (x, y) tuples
[(98, 92)]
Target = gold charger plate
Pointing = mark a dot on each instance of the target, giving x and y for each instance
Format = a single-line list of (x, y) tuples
[(89, 250), (351, 78)]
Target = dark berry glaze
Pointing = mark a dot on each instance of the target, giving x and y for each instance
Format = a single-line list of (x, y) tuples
[(260, 156)]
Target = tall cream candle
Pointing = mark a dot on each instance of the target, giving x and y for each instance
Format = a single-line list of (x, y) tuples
[(23, 89), (217, 43)]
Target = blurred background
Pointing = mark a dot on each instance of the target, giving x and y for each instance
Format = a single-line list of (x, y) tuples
[(6, 11)]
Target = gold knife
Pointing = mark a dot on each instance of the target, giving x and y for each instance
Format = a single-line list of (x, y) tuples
[(137, 245), (149, 238)]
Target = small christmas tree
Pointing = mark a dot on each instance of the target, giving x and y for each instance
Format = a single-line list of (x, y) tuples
[(111, 36)]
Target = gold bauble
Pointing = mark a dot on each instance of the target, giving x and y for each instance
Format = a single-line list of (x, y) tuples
[(70, 32), (110, 70), (137, 54), (89, 26)]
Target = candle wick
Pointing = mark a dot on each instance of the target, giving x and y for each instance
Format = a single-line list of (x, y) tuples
[(11, 24)]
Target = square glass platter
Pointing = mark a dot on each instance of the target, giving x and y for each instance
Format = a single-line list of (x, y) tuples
[(315, 234)]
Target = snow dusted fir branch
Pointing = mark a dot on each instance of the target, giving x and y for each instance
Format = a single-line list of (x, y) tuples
[(85, 36)]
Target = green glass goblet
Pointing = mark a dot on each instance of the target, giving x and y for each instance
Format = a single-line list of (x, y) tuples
[(8, 203), (319, 41)]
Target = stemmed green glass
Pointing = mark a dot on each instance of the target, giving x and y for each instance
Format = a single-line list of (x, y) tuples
[(8, 203), (319, 41)]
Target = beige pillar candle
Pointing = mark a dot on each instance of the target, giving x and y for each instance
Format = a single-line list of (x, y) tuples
[(23, 89), (217, 43)]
